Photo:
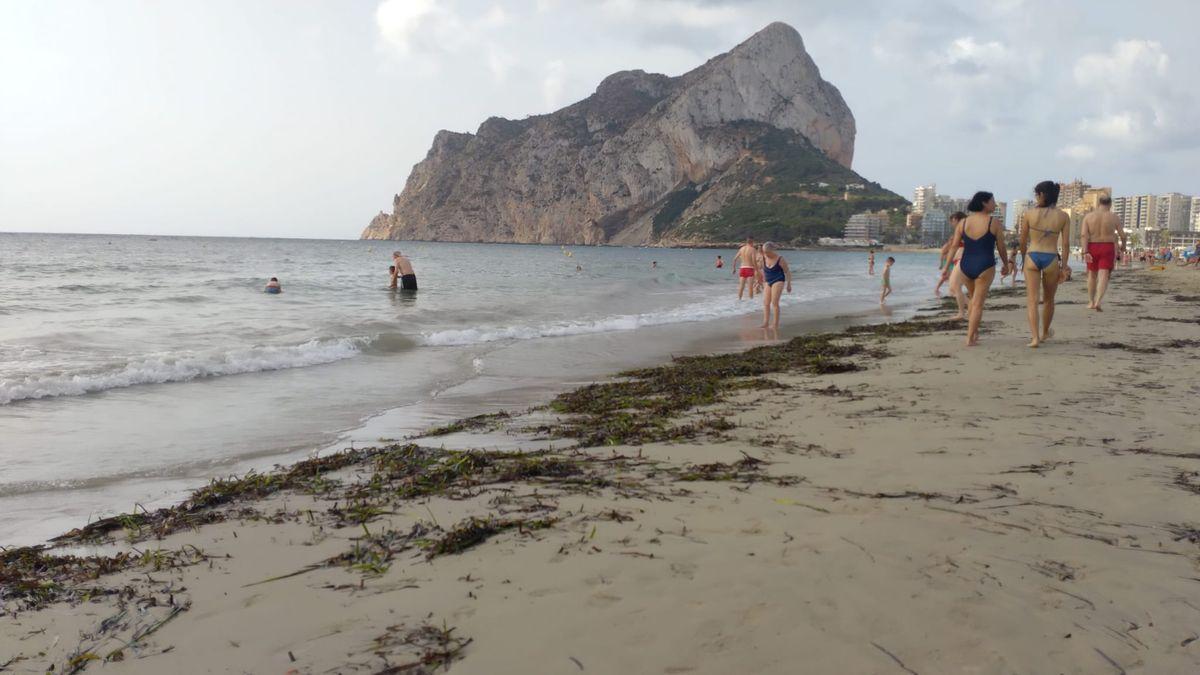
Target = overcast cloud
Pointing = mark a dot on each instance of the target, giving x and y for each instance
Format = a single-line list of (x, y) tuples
[(294, 118)]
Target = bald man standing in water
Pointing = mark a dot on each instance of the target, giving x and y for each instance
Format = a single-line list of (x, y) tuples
[(1098, 240), (745, 265)]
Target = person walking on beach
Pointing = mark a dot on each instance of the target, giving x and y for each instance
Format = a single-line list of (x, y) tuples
[(981, 236), (776, 276), (951, 272), (746, 262), (871, 262), (403, 272), (887, 279), (1098, 240), (1043, 229)]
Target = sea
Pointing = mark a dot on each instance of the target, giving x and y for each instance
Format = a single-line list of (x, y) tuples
[(134, 368)]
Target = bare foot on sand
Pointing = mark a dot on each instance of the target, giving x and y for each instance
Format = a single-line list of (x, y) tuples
[(1033, 344), (1047, 335), (1097, 308)]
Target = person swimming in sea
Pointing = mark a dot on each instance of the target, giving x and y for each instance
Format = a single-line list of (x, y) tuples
[(776, 276), (273, 286), (1043, 229), (720, 262), (981, 235), (402, 271)]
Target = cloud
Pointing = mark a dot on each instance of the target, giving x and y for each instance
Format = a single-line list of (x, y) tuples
[(553, 84), (500, 62), (426, 31), (1129, 61), (1123, 126), (1129, 97), (1077, 152), (418, 25)]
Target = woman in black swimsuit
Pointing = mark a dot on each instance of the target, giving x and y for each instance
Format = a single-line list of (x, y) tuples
[(980, 235)]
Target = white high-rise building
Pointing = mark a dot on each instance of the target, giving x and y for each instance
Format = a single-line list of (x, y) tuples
[(1195, 216), (923, 197), (1018, 207), (1001, 213), (866, 226), (1173, 212), (1138, 213)]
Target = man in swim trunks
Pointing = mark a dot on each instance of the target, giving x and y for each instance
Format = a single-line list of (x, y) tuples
[(404, 271), (1098, 240), (746, 263)]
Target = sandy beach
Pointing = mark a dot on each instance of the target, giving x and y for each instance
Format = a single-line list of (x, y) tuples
[(878, 501)]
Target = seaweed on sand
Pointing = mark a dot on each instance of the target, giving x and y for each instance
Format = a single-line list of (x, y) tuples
[(474, 531), (746, 470), (1129, 348), (415, 472), (476, 423), (1169, 319), (431, 649), (201, 507), (31, 577), (640, 407), (1188, 480)]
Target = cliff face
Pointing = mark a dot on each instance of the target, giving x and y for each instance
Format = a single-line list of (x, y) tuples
[(644, 159)]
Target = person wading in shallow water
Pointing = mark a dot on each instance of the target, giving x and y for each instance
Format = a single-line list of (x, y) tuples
[(981, 236), (744, 264), (403, 273), (1043, 230), (776, 275)]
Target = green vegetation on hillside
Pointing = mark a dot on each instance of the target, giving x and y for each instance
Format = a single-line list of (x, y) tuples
[(786, 190)]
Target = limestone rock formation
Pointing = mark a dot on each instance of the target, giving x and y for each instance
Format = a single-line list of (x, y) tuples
[(752, 139)]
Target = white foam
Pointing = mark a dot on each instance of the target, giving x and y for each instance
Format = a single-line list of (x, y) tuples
[(698, 311), (163, 368)]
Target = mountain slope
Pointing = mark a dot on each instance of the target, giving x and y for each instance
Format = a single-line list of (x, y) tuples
[(730, 146)]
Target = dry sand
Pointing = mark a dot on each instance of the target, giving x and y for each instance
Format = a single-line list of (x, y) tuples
[(986, 510)]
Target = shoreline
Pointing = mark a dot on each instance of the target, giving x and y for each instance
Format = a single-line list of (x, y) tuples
[(965, 499), (655, 344)]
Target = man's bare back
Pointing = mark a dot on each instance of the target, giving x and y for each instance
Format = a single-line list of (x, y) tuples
[(747, 255), (1101, 226)]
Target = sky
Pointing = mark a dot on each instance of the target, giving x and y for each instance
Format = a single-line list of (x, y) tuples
[(301, 118)]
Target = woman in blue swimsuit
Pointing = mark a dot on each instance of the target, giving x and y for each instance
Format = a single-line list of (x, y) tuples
[(1043, 229), (776, 275), (981, 236)]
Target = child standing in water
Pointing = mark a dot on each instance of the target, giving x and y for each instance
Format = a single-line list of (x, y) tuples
[(887, 279)]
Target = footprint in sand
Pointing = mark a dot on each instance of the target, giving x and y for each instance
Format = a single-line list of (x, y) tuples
[(683, 570), (602, 599)]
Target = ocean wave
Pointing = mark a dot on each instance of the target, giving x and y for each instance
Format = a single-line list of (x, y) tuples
[(183, 367), (698, 311)]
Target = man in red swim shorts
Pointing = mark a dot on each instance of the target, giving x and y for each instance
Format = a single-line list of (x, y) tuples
[(746, 262), (1098, 238)]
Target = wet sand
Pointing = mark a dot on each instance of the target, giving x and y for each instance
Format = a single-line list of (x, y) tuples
[(937, 509)]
